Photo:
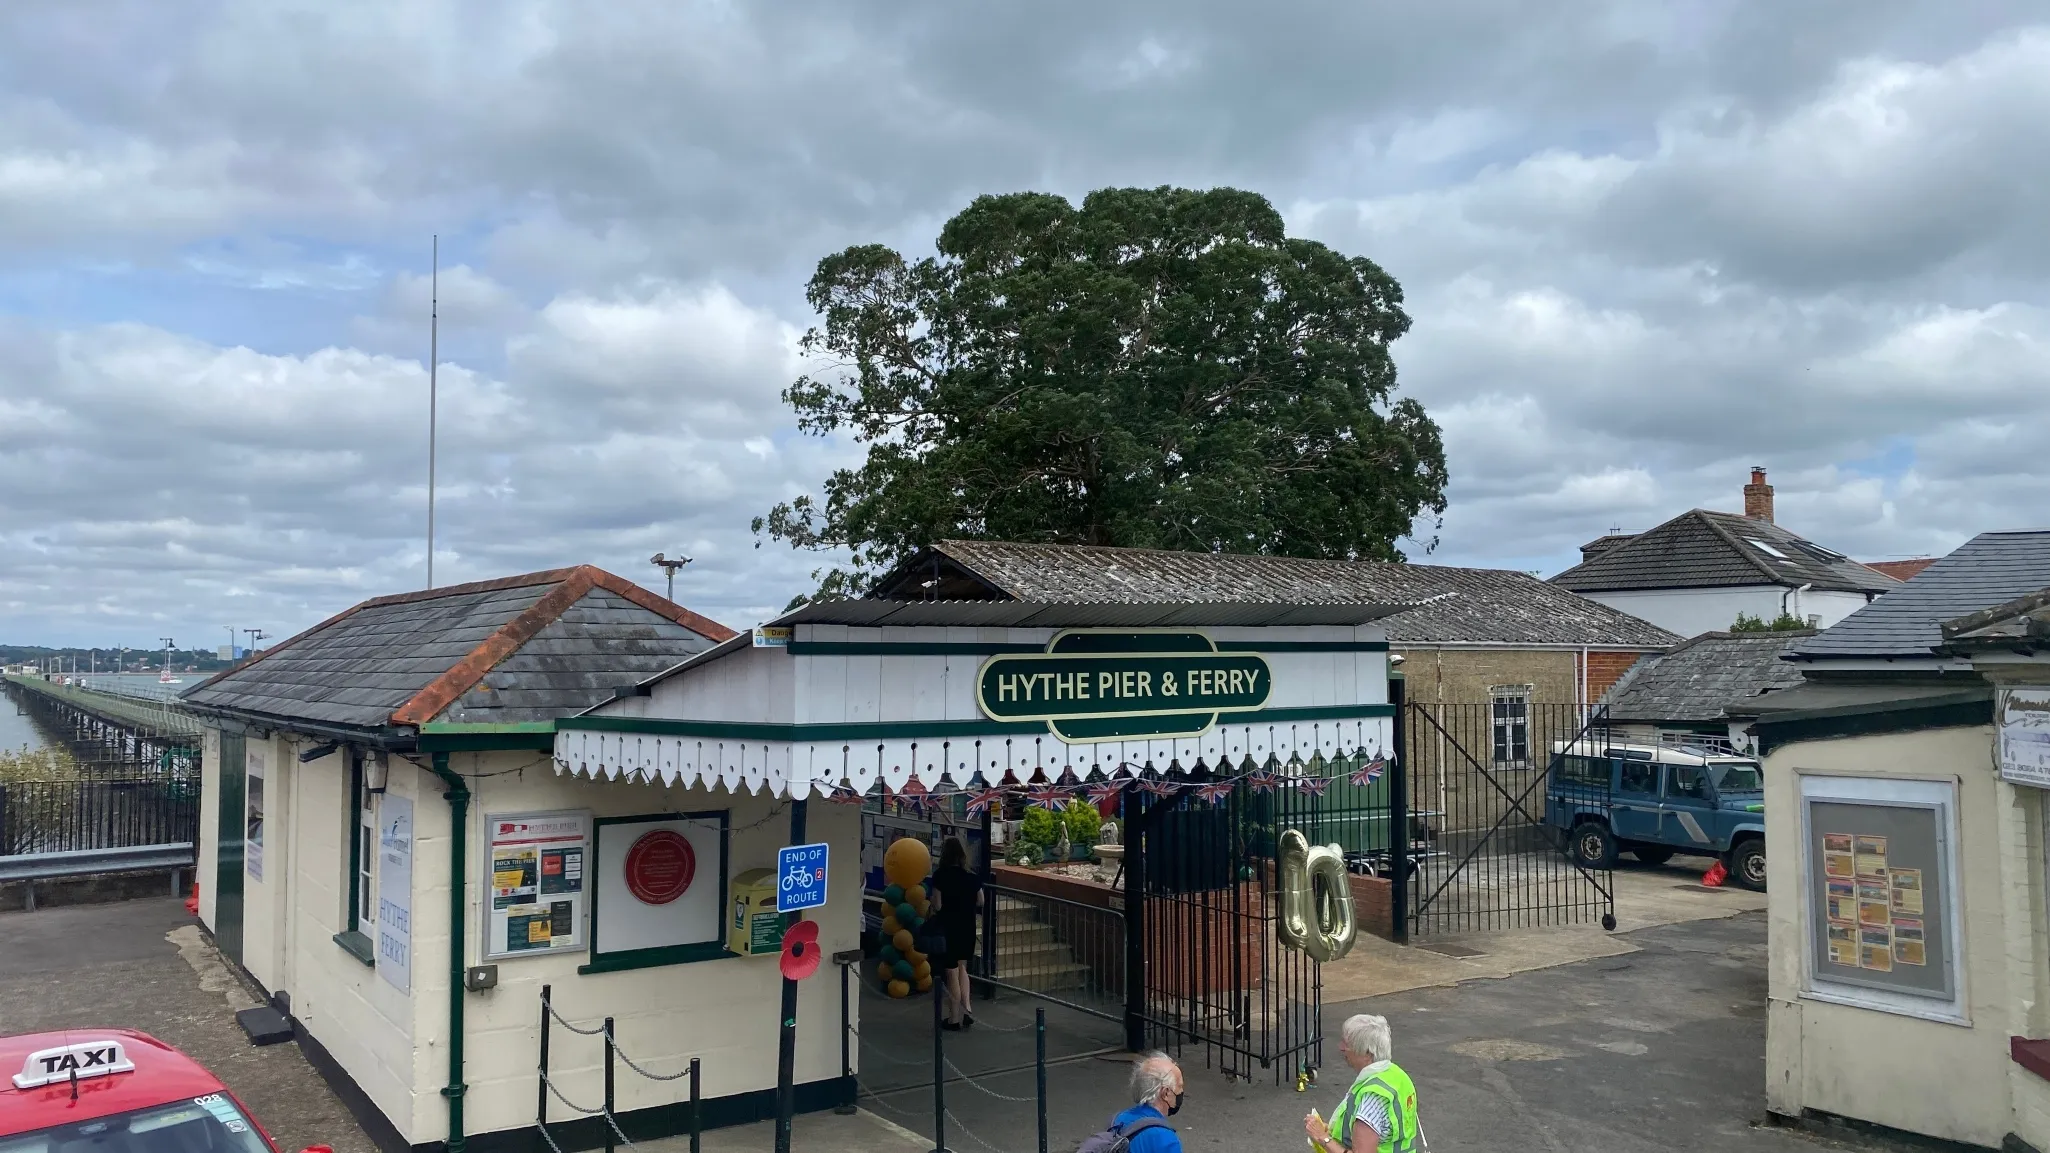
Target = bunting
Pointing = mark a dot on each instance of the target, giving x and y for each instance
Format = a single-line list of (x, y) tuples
[(1370, 772)]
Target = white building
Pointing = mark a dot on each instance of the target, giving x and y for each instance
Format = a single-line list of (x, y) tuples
[(1701, 570)]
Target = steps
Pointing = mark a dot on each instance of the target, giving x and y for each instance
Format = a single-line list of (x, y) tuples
[(1029, 956)]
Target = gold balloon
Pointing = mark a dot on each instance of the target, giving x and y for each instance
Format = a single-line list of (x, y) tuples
[(924, 983), (915, 895), (900, 989), (921, 969), (902, 939), (884, 971), (890, 925), (906, 862)]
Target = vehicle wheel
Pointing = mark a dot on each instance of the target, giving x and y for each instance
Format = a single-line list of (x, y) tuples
[(1652, 854), (1747, 864), (1593, 847)]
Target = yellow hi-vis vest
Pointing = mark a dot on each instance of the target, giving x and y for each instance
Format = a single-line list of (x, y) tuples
[(1398, 1093)]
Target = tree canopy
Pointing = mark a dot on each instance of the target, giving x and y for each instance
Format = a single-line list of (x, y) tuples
[(1161, 368)]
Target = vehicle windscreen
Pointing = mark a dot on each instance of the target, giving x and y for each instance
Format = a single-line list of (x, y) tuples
[(210, 1124), (1737, 777)]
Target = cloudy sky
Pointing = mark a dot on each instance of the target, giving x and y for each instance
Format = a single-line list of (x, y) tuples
[(1646, 245)]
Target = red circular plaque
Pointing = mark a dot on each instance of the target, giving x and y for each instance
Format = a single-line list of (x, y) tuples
[(659, 867)]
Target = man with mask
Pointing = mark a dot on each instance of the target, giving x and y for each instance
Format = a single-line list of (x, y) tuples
[(1157, 1087)]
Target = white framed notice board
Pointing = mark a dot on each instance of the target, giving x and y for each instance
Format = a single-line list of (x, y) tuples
[(539, 866), (658, 889)]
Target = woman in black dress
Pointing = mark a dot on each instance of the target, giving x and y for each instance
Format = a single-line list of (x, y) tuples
[(957, 890)]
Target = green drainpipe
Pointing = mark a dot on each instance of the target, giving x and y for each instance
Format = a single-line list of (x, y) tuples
[(458, 797)]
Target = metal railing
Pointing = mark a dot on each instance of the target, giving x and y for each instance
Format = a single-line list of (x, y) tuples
[(1057, 949), (75, 815)]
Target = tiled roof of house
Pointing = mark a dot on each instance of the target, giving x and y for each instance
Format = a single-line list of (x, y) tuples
[(1451, 605), (524, 648), (1697, 681), (1988, 570), (1702, 549), (1901, 570)]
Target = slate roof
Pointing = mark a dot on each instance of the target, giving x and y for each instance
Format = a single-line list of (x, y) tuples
[(2020, 624), (1702, 549), (524, 648), (1450, 605), (1702, 678), (1988, 570)]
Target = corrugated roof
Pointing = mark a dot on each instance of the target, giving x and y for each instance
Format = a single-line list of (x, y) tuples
[(1697, 681), (1439, 604), (1990, 569), (1702, 549), (523, 648)]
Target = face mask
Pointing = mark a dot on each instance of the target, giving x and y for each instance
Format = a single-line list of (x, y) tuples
[(1178, 1099)]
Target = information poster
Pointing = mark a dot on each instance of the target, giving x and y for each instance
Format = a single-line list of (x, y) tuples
[(2025, 737), (252, 834), (395, 891), (1880, 917), (539, 865)]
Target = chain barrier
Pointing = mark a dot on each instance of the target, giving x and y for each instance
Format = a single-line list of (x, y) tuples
[(571, 1105), (545, 1136), (970, 1134), (621, 1054), (564, 1022), (877, 1052), (979, 1086)]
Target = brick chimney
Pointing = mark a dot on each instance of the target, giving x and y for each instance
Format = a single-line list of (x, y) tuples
[(1758, 497)]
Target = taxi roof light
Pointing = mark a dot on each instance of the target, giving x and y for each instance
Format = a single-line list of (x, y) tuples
[(76, 1061)]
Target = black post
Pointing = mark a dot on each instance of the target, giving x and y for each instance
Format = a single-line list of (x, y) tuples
[(786, 1045), (1135, 921), (989, 913), (541, 1107), (608, 1085), (697, 1107), (939, 1073), (1398, 814), (846, 1027), (1039, 1066)]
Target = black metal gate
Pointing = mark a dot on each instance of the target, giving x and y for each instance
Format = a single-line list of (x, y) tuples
[(1484, 858), (1202, 901)]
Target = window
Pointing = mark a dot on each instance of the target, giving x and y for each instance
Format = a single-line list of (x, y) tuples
[(1576, 770), (1765, 548), (1639, 777), (362, 879), (1510, 715), (1737, 777), (1687, 781)]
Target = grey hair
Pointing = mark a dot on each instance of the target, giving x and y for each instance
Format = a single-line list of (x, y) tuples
[(1366, 1034), (1152, 1075)]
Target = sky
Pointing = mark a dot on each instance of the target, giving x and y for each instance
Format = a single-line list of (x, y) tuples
[(1645, 247)]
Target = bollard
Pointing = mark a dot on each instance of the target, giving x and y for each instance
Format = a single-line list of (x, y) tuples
[(846, 1027), (939, 1073), (541, 1106), (1039, 1067), (609, 1136), (697, 1108)]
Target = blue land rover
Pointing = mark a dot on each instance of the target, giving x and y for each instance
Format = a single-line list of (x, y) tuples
[(1653, 802)]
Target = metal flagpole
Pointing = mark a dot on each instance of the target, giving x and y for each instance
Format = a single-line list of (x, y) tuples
[(433, 392)]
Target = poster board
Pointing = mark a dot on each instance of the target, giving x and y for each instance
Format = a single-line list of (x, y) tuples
[(252, 835), (1881, 893), (2025, 737), (539, 870), (395, 891), (659, 888)]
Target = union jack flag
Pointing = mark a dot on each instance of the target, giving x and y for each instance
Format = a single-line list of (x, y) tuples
[(1370, 772), (1314, 786), (1214, 792), (843, 795), (1049, 797), (982, 800), (1160, 786), (1104, 791), (1263, 781)]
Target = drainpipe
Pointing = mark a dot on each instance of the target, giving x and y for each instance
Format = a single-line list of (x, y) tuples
[(458, 797), (1792, 593)]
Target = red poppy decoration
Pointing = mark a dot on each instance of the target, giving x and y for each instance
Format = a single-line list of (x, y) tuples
[(801, 954)]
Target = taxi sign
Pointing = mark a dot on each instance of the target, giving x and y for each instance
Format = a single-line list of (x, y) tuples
[(84, 1059)]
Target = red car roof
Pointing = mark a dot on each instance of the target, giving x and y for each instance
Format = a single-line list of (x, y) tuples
[(161, 1074)]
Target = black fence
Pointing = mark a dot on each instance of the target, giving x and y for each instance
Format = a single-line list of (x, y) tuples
[(69, 815), (1065, 951), (1487, 856)]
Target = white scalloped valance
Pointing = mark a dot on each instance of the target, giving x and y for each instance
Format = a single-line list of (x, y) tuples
[(799, 768)]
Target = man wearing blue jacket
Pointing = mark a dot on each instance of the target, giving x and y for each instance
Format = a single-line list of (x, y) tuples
[(1157, 1087)]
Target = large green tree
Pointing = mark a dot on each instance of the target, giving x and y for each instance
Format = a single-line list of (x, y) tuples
[(1163, 368)]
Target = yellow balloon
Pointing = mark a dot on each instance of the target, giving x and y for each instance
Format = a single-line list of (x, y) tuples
[(921, 969), (906, 862), (915, 894), (900, 989), (890, 925), (884, 971), (915, 957), (902, 939), (924, 983)]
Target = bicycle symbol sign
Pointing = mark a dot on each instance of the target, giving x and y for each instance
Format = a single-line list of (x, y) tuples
[(800, 877)]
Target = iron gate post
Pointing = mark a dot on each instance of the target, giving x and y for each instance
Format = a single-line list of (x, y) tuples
[(786, 1038), (1135, 920), (1398, 814)]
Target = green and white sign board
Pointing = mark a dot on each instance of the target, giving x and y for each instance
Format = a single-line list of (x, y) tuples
[(1098, 685)]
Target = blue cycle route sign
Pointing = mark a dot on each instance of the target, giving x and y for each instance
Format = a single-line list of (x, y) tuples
[(800, 877)]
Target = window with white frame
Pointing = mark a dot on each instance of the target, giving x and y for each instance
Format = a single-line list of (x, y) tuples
[(362, 849), (1509, 718)]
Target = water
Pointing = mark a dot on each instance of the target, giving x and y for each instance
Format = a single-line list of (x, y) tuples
[(143, 685), (15, 730)]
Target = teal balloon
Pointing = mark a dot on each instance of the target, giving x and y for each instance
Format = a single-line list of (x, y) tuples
[(890, 954), (894, 895), (902, 969), (907, 917)]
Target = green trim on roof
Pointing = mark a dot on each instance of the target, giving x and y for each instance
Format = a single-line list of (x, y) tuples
[(453, 737), (1951, 710)]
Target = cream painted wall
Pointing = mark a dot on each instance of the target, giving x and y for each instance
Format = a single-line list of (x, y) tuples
[(209, 823), (262, 899), (1878, 1066), (1691, 612)]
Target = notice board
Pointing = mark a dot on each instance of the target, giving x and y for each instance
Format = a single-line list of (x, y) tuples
[(539, 866), (1880, 911)]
